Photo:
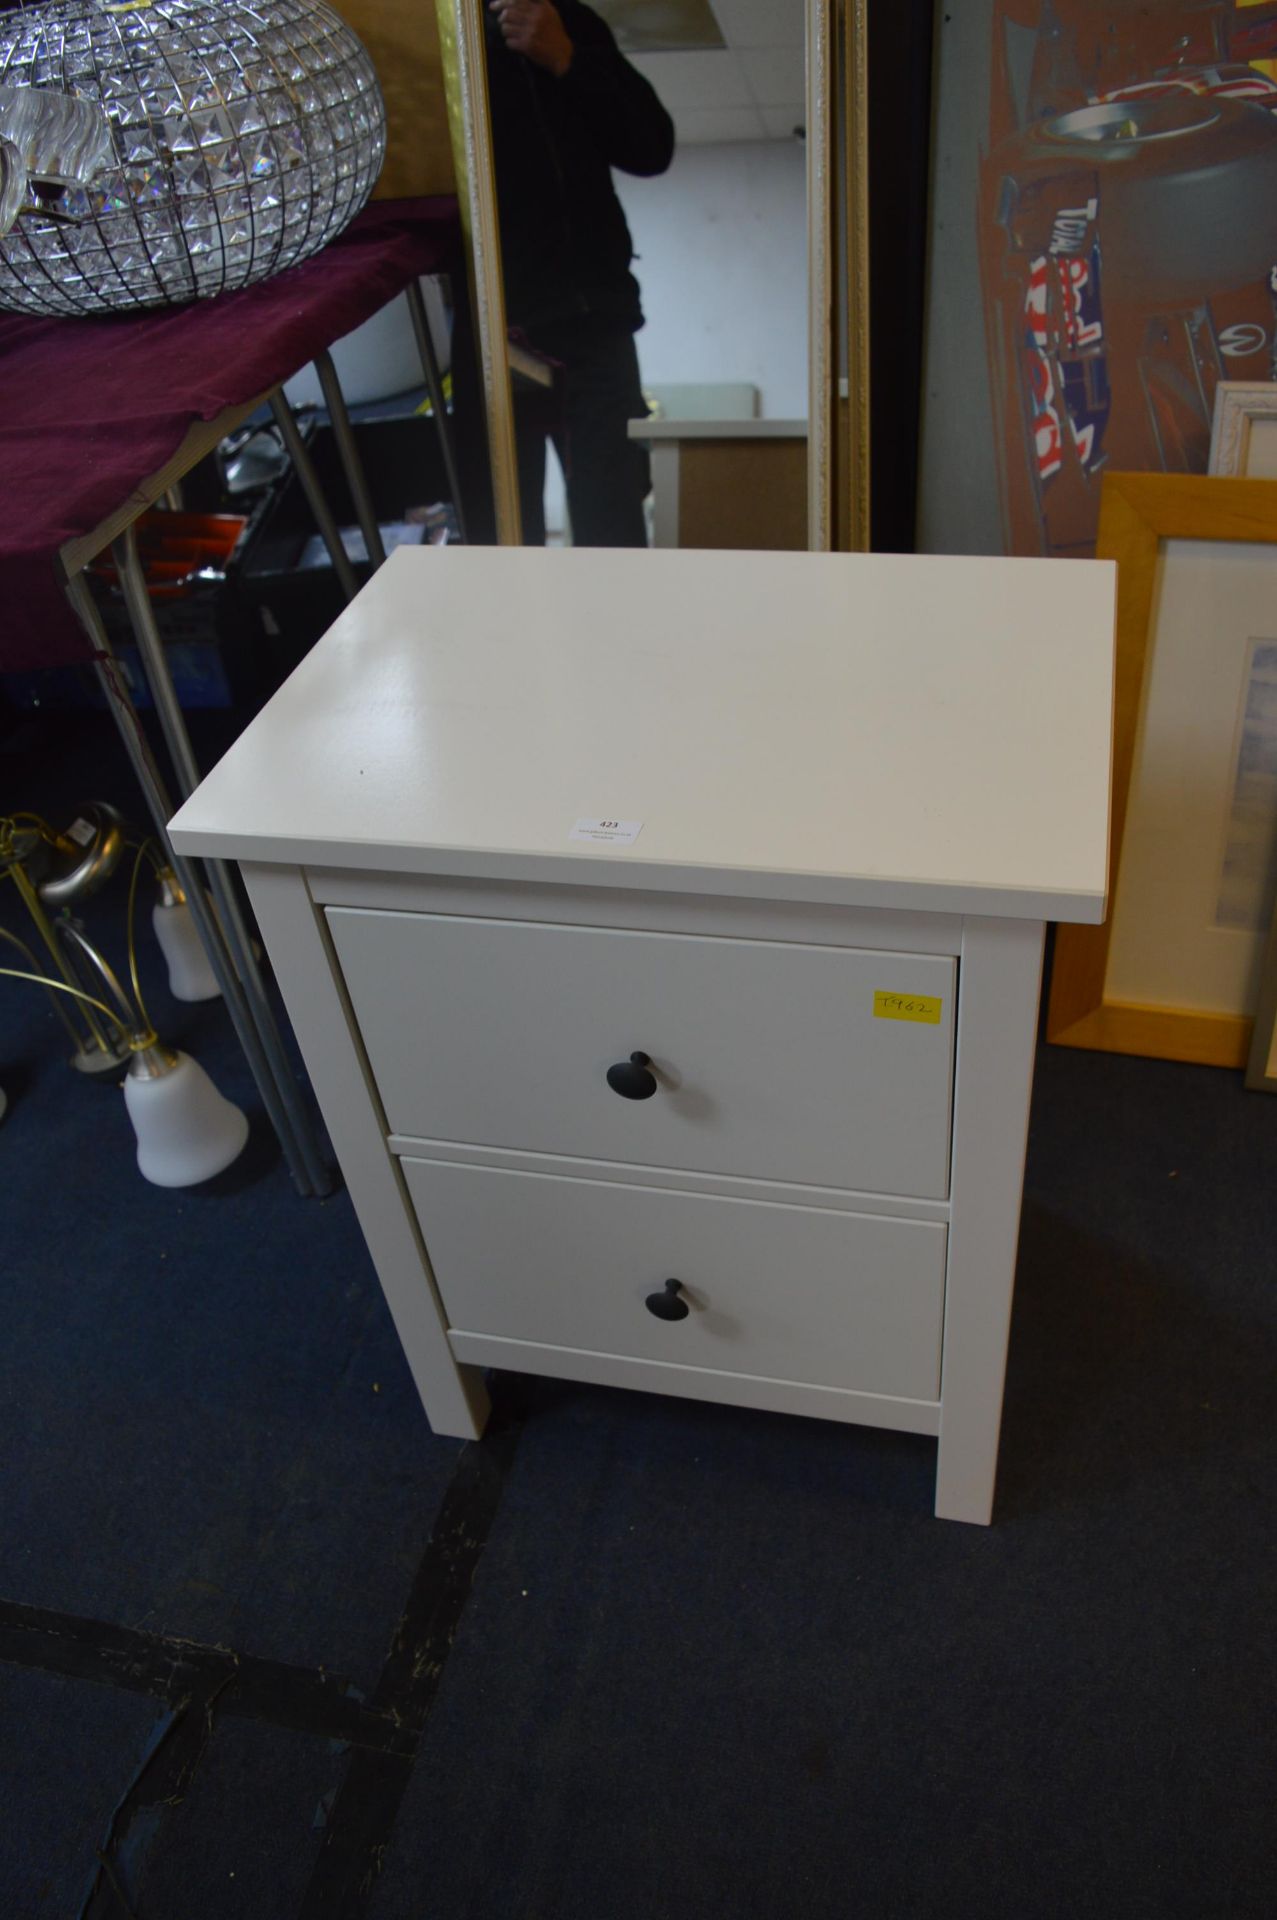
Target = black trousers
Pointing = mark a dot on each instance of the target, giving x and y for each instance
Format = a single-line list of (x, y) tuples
[(597, 393)]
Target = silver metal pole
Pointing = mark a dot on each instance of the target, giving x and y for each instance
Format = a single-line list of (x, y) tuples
[(234, 927), (351, 462), (434, 386), (160, 808), (151, 647), (304, 468)]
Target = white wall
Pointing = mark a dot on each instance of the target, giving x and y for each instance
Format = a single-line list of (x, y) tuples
[(721, 241), (380, 357)]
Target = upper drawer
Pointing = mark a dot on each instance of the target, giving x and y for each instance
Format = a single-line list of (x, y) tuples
[(772, 1061)]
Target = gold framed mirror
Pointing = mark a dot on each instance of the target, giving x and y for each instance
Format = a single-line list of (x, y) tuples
[(781, 71)]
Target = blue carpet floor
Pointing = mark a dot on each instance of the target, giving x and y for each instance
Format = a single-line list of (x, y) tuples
[(243, 1842), (708, 1661), (217, 1433), (67, 1751)]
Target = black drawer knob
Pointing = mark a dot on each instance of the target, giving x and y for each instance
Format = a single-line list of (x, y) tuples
[(669, 1304), (631, 1078)]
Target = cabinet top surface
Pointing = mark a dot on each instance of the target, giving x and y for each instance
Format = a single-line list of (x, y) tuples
[(920, 732)]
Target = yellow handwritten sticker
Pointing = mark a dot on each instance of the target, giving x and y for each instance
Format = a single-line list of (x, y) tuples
[(919, 1007)]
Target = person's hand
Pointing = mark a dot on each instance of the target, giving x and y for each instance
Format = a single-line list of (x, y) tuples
[(535, 29)]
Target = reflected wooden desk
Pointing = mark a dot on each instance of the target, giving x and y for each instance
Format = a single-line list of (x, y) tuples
[(728, 483)]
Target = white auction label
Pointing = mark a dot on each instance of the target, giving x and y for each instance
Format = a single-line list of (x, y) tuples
[(607, 833)]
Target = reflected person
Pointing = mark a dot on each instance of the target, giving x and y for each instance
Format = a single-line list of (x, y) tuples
[(567, 107)]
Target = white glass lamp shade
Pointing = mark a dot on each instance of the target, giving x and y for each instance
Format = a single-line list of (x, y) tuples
[(186, 1130), (190, 976), (245, 138)]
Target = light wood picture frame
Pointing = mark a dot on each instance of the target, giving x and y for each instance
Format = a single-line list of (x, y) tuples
[(1243, 442), (1138, 513), (466, 92), (838, 276), (823, 413), (853, 510)]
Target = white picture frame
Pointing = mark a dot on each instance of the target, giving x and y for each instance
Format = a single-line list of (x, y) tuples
[(1243, 442)]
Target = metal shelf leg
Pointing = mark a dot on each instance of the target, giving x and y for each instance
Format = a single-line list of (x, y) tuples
[(430, 367), (234, 927), (160, 808), (304, 468), (351, 461)]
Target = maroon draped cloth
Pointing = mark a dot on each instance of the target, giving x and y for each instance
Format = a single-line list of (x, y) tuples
[(91, 407)]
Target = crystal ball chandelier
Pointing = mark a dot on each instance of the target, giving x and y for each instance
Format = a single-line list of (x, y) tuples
[(245, 137)]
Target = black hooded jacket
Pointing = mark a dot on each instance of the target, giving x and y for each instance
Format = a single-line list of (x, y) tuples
[(565, 245)]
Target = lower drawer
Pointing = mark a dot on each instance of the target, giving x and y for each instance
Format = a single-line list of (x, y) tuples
[(788, 1293)]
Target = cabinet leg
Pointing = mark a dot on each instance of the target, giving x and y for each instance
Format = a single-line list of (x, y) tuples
[(455, 1397), (1000, 980), (964, 1488), (460, 1414)]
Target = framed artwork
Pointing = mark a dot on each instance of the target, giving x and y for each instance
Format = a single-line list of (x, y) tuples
[(1176, 970), (1244, 434)]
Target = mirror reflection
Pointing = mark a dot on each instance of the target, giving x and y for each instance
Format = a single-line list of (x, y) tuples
[(651, 192)]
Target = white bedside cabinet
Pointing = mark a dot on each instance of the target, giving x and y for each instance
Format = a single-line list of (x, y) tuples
[(663, 935)]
